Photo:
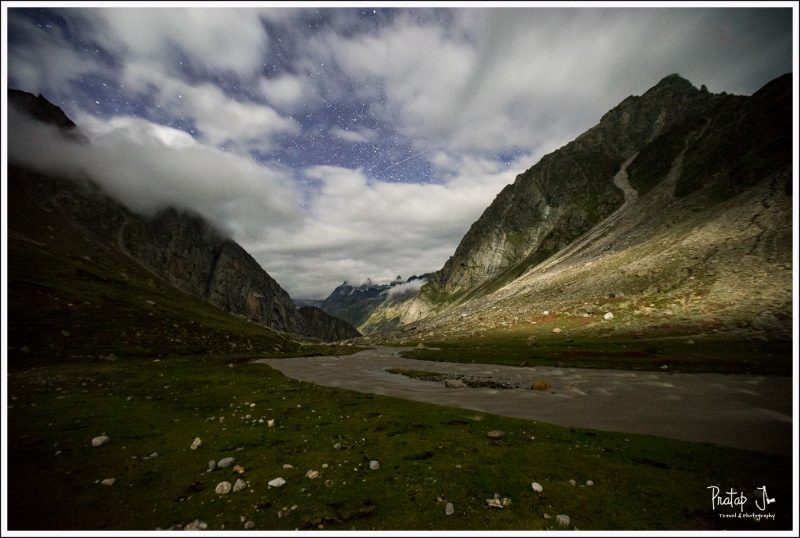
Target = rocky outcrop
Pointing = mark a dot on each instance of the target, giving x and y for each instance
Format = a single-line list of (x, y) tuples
[(176, 246)]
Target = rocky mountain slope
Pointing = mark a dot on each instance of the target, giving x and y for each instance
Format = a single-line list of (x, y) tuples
[(175, 246), (355, 303), (674, 212)]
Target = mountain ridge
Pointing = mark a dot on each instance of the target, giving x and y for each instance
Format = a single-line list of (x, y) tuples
[(675, 154)]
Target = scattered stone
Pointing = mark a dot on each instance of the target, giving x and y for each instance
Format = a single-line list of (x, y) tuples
[(562, 520), (498, 503), (454, 384), (546, 313), (238, 469), (449, 509), (374, 465), (271, 423), (324, 465), (420, 346), (108, 482), (276, 482), (197, 443), (312, 475), (287, 466), (608, 316), (664, 367), (537, 487), (546, 515), (239, 485), (493, 503), (224, 463), (196, 525), (589, 483), (557, 330), (337, 446), (211, 465), (495, 434), (153, 455), (572, 482), (100, 440), (223, 488), (249, 525)]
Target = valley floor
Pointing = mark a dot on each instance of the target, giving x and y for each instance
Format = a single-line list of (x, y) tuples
[(147, 476), (743, 411)]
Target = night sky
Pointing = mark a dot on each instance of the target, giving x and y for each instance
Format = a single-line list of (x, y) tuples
[(339, 144)]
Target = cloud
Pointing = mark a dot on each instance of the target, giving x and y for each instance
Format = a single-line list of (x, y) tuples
[(357, 136), (286, 91), (354, 227), (150, 167), (406, 288), (525, 77), (222, 40), (219, 119)]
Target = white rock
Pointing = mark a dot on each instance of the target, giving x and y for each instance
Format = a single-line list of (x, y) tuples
[(276, 482), (100, 440), (196, 525), (608, 316), (225, 462), (337, 446), (197, 443), (449, 509), (557, 330), (562, 520), (572, 482), (271, 423), (589, 483), (212, 465), (239, 485), (454, 384), (537, 487), (287, 466), (249, 525), (108, 482), (374, 465), (312, 474), (223, 488)]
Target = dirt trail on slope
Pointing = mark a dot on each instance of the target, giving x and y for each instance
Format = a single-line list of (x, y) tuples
[(742, 411)]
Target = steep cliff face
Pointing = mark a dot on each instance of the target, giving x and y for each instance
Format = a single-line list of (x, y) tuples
[(173, 245), (566, 192)]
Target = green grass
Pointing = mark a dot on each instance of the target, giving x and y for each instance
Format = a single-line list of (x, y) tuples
[(428, 454), (706, 354)]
